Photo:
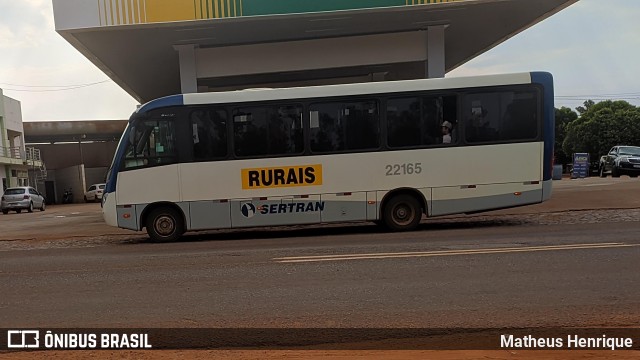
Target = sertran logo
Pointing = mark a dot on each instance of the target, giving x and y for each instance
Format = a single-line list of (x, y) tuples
[(248, 210)]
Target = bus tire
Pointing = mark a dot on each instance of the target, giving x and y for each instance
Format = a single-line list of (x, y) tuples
[(164, 224), (402, 213)]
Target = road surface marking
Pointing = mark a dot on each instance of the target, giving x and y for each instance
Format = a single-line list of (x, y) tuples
[(319, 258)]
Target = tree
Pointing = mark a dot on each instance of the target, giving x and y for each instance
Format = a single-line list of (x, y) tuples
[(564, 116), (587, 105), (601, 126)]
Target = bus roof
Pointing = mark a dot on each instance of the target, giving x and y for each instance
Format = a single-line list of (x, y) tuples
[(252, 95)]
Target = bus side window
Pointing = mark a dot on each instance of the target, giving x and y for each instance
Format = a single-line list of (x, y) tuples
[(403, 122), (285, 130), (363, 126), (209, 134), (339, 126), (250, 132), (480, 118), (326, 132), (501, 116), (417, 121), (520, 119), (268, 130)]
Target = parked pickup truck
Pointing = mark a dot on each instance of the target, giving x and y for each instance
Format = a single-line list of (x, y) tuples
[(621, 160)]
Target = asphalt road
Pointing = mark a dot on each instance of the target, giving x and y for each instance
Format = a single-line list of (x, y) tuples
[(568, 267), (439, 278)]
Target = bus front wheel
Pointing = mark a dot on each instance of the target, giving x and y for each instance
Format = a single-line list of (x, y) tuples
[(402, 213), (164, 224)]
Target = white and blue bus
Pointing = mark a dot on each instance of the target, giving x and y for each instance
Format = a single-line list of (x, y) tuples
[(339, 153)]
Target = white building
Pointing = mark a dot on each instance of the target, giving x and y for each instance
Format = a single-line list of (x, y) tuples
[(16, 160)]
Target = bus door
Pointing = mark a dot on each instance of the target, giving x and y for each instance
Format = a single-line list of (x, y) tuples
[(212, 214), (344, 206)]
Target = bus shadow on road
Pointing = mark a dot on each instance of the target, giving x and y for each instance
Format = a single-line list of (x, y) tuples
[(341, 229)]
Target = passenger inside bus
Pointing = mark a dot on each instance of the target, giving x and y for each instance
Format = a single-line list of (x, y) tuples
[(446, 132)]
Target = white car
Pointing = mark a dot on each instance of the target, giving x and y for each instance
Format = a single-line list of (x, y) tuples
[(94, 193), (21, 198)]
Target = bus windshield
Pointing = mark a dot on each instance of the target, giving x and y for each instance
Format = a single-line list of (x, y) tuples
[(150, 141)]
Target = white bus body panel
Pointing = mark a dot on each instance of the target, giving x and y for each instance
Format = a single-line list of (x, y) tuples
[(154, 184), (451, 180), (441, 167)]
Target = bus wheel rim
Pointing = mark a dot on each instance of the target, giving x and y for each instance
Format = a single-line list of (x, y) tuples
[(165, 225), (403, 214)]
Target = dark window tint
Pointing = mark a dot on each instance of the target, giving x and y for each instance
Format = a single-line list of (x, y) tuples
[(418, 121), (33, 191), (151, 143), (209, 133), (268, 130), (501, 116), (341, 126)]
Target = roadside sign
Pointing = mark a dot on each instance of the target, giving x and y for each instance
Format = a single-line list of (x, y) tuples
[(580, 165)]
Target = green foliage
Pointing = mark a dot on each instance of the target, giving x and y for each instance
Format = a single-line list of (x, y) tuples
[(601, 126), (587, 105), (564, 116)]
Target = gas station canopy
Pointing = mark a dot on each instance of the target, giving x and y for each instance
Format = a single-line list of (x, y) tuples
[(153, 48)]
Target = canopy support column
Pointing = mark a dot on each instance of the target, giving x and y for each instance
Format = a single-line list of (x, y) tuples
[(435, 67), (188, 74)]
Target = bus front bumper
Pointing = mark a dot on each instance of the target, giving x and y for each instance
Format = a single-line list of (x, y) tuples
[(109, 212)]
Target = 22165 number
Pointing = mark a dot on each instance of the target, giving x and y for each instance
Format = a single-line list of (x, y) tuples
[(403, 169)]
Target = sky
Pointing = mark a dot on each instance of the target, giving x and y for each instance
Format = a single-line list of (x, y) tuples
[(592, 48)]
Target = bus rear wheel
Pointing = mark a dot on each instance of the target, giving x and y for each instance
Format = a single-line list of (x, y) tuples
[(402, 213), (164, 224)]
